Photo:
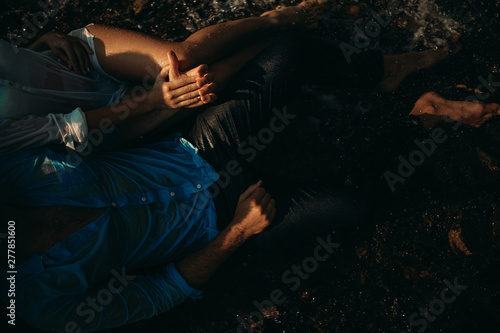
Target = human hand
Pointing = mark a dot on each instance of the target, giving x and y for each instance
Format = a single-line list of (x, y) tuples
[(183, 89), (255, 211), (72, 50), (201, 74)]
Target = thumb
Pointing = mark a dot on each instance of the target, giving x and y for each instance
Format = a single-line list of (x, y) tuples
[(162, 76), (174, 66), (250, 190)]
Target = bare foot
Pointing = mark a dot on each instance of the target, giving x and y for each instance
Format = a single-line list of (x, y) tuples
[(469, 113), (305, 14), (398, 67)]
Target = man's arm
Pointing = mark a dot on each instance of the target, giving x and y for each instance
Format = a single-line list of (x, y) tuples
[(255, 211), (125, 298), (118, 300)]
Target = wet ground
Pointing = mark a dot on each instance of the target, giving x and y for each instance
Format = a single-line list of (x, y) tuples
[(440, 227)]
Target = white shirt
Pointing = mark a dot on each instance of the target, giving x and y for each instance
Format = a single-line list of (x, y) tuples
[(36, 131), (42, 101)]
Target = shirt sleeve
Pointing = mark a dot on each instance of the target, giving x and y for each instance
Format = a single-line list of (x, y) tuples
[(35, 131), (116, 301)]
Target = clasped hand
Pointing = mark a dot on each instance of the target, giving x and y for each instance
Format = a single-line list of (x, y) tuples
[(183, 89)]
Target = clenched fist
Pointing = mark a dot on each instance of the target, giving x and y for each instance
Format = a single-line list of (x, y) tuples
[(255, 211)]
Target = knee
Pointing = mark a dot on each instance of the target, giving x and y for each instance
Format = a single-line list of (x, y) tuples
[(98, 29), (188, 57)]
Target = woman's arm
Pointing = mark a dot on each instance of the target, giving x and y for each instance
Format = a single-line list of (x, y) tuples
[(141, 113), (32, 132)]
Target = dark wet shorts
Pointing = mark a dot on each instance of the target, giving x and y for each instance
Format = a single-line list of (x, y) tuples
[(246, 122)]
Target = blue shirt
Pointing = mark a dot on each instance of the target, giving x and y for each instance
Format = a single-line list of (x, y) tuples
[(158, 210)]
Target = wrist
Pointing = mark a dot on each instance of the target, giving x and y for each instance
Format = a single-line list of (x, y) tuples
[(149, 100), (234, 236), (44, 40), (40, 44)]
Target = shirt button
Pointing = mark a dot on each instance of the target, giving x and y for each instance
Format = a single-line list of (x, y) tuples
[(113, 204), (198, 186), (144, 199), (172, 194)]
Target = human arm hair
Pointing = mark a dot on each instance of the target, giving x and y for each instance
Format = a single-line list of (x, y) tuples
[(255, 211)]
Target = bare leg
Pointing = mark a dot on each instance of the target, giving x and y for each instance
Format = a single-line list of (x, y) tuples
[(133, 56), (162, 121)]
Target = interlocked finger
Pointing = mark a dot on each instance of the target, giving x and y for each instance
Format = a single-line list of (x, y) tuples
[(181, 82), (189, 88), (190, 95), (188, 102)]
